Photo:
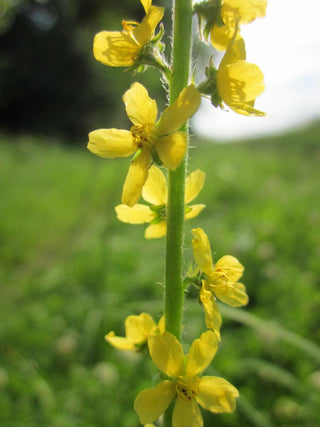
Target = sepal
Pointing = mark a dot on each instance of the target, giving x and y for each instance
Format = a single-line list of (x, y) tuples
[(209, 15), (209, 87)]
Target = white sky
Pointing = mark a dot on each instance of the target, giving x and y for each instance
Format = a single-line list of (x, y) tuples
[(286, 46)]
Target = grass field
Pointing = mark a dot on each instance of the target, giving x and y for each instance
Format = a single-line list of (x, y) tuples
[(71, 273)]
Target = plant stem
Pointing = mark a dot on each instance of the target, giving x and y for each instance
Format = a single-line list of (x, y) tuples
[(182, 32)]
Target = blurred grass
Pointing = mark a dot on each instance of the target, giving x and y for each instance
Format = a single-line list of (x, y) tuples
[(70, 273)]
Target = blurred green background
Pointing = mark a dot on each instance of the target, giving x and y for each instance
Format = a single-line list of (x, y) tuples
[(70, 272)]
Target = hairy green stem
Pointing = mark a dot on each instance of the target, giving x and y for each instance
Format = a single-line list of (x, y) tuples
[(182, 32)]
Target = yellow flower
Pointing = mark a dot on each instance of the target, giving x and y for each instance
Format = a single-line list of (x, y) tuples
[(121, 48), (138, 330), (234, 12), (239, 82), (212, 393), (155, 192), (221, 280), (145, 136)]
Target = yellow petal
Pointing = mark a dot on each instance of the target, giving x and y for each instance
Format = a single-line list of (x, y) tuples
[(194, 184), (146, 4), (172, 149), (155, 189), (186, 413), (111, 143), (248, 10), (120, 342), (166, 353), (152, 402), (236, 52), (227, 268), (221, 36), (145, 31), (115, 48), (138, 214), (216, 394), (136, 177), (202, 251), (141, 109), (176, 115), (201, 353), (193, 211), (154, 231), (233, 294), (139, 328), (242, 82), (211, 310), (162, 325), (239, 82), (247, 110), (234, 11)]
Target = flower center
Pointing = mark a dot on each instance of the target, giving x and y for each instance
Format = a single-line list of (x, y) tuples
[(143, 135), (187, 390), (160, 214)]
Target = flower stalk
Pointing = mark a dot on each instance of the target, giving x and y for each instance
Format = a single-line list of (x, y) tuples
[(181, 59), (156, 142)]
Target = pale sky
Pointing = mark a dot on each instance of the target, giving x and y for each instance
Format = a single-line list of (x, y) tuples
[(286, 46)]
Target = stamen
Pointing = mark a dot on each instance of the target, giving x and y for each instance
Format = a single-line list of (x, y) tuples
[(142, 135)]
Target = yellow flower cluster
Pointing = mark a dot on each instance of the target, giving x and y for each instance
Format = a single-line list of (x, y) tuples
[(221, 281), (183, 382), (237, 83), (147, 136), (158, 145), (122, 48), (155, 192)]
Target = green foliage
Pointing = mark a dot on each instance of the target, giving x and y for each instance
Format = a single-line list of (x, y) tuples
[(71, 273)]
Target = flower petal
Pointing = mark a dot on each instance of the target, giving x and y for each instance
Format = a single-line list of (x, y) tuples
[(141, 109), (166, 353), (236, 52), (115, 48), (201, 353), (247, 110), (146, 4), (245, 83), (154, 231), (249, 10), (111, 143), (136, 177), (138, 214), (162, 325), (176, 115), (227, 269), (211, 310), (216, 394), (194, 184), (239, 82), (145, 31), (152, 402), (234, 11), (193, 211), (155, 189), (121, 343), (186, 413), (172, 149), (202, 251), (139, 328), (220, 37), (232, 293)]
